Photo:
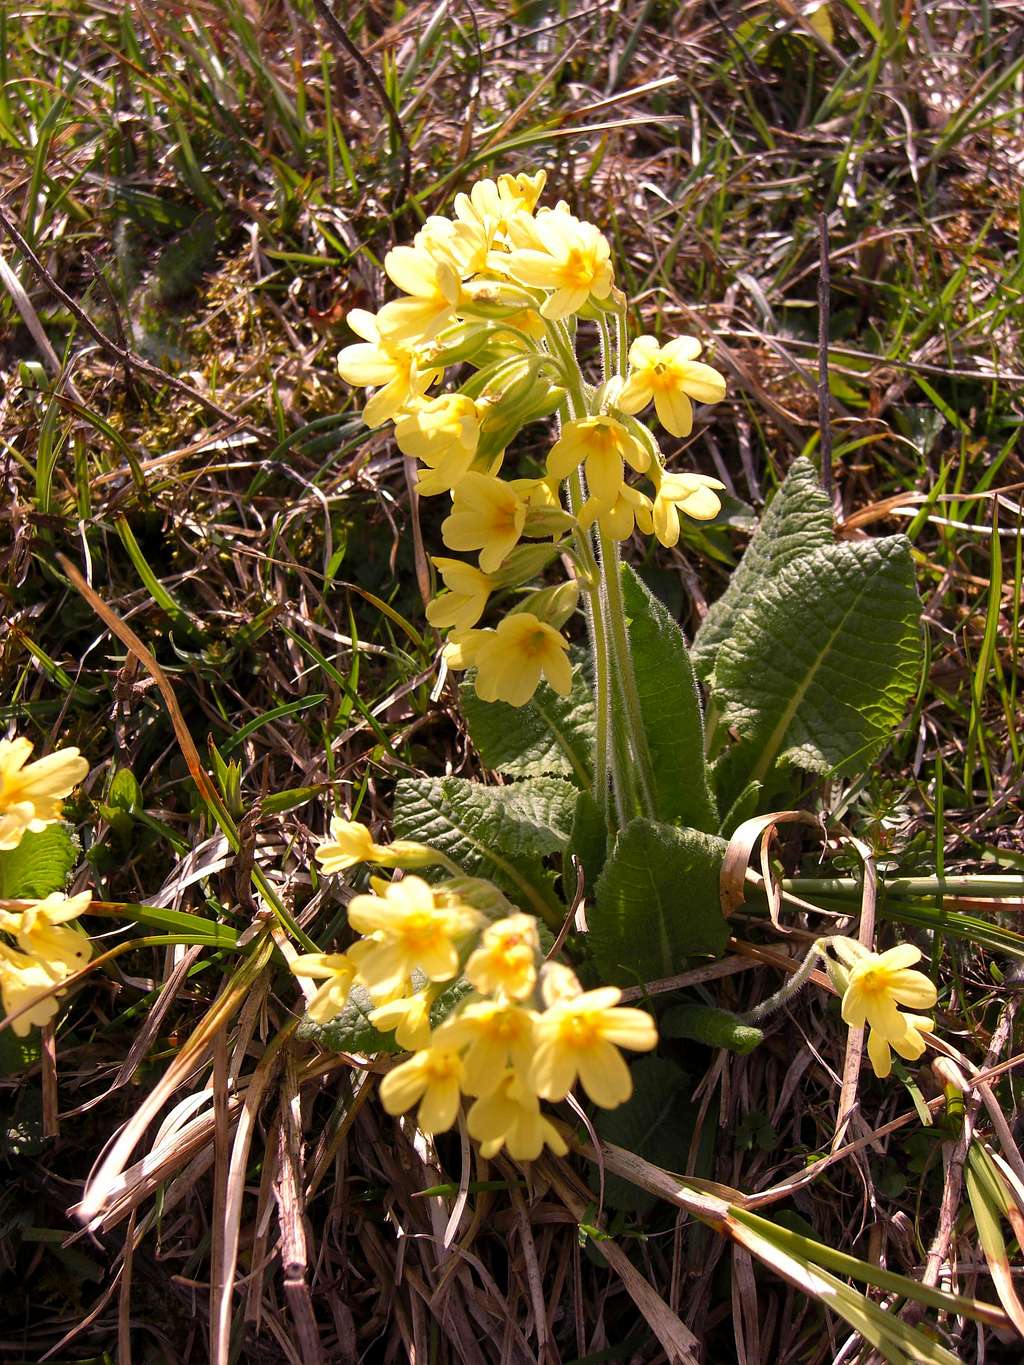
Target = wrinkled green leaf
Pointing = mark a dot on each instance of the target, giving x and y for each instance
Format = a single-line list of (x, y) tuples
[(818, 668), (500, 833), (796, 522), (671, 710), (657, 903), (710, 1026), (589, 842), (550, 735), (39, 865)]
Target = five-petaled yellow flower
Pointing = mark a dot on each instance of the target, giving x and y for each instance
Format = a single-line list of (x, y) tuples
[(487, 515), (25, 981), (495, 1034), (602, 444), (505, 961), (509, 1116), (434, 1078), (376, 361), (338, 971), (443, 432), (31, 793), (556, 251), (690, 493), (410, 928), (671, 375), (878, 984), (351, 843), (42, 930), (463, 604), (581, 1037), (511, 660)]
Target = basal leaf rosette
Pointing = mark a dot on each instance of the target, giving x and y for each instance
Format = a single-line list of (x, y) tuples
[(501, 288)]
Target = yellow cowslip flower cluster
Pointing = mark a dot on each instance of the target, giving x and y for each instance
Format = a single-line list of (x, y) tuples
[(49, 950), (526, 1030), (499, 287)]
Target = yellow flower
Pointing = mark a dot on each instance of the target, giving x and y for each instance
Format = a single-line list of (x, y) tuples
[(492, 202), (511, 660), (510, 1117), (433, 287), (351, 843), (671, 375), (617, 519), (497, 1034), (460, 649), (30, 793), (27, 981), (558, 982), (408, 1017), (506, 960), (434, 1077), (604, 444), (338, 970), (463, 604), (376, 361), (581, 1037), (675, 493), (565, 255), (411, 929), (442, 432), (878, 984), (42, 931), (909, 1044), (487, 515)]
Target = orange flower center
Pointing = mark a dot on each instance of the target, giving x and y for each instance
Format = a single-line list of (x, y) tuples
[(579, 1031), (578, 270)]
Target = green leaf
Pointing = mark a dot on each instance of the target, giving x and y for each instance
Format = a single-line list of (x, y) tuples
[(656, 1124), (351, 1030), (500, 833), (657, 903), (124, 794), (39, 865), (797, 521), (550, 735), (18, 1054), (671, 710), (819, 666), (710, 1026)]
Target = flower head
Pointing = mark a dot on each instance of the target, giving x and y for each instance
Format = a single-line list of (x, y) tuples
[(630, 508), (581, 1037), (672, 376), (487, 515), (877, 985), (432, 285), (25, 981), (511, 660), (463, 604), (603, 444), (408, 1017), (496, 1034), (338, 971), (42, 930), (505, 962), (410, 928), (376, 360), (351, 843), (691, 494), (509, 1116), (443, 432), (31, 793), (434, 1078), (563, 254)]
